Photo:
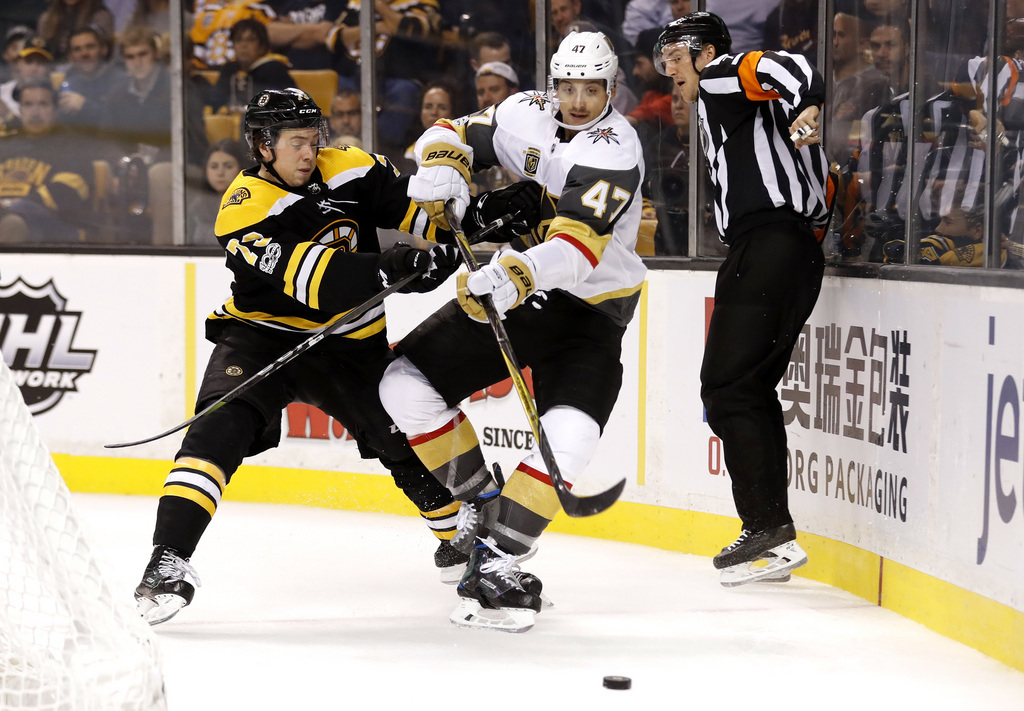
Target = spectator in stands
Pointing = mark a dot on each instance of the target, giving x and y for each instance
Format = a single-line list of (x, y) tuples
[(88, 80), (62, 18), (156, 15), (464, 20), (14, 40), (224, 160), (33, 61), (211, 29), (654, 112), (857, 86), (138, 107), (793, 27), (407, 39), (491, 47), (346, 117), (252, 70), (890, 51), (300, 31), (958, 241), (495, 82), (44, 174), (563, 13), (439, 101)]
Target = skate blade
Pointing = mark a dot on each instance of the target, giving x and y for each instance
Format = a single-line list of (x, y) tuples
[(452, 574), (470, 615), (159, 608), (774, 567)]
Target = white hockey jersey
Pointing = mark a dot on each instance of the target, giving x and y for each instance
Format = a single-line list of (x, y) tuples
[(595, 178)]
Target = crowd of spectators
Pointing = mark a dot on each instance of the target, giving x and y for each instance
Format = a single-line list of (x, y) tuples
[(107, 65)]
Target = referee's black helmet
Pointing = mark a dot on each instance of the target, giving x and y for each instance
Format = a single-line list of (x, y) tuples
[(694, 30)]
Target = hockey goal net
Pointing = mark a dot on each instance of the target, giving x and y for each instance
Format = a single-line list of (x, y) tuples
[(67, 643)]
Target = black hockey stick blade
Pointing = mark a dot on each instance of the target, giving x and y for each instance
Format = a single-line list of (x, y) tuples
[(575, 506), (286, 357)]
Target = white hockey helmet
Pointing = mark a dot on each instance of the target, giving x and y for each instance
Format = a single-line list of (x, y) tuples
[(583, 55)]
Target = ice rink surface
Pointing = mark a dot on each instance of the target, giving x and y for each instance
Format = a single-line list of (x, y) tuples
[(305, 608)]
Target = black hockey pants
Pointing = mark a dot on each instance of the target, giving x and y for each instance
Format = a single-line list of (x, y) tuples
[(764, 294)]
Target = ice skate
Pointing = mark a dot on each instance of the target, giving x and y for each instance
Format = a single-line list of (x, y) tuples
[(530, 582), (450, 562), (491, 594), (765, 556), (164, 590)]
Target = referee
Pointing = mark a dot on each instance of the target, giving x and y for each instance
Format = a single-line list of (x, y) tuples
[(756, 111)]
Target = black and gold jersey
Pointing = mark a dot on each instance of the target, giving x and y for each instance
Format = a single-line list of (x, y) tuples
[(48, 168), (303, 257)]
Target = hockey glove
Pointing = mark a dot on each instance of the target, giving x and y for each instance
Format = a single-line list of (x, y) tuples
[(444, 260), (399, 262), (522, 200), (507, 282), (444, 173)]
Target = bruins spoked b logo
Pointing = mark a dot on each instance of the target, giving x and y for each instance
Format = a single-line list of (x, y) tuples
[(37, 334)]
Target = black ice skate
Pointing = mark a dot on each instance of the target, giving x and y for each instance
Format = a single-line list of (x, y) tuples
[(492, 596), (164, 590), (766, 556), (450, 562)]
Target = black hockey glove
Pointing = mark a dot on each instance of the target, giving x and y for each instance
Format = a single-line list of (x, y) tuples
[(522, 200), (399, 262), (444, 260)]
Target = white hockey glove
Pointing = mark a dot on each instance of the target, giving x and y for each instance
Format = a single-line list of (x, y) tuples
[(507, 281), (444, 173)]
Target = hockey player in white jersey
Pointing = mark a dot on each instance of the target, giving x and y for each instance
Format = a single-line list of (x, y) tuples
[(565, 301)]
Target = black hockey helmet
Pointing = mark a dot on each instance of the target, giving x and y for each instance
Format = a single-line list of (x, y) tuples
[(694, 31), (273, 110)]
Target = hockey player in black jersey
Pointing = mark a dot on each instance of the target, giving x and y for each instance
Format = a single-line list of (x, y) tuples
[(300, 233), (758, 114)]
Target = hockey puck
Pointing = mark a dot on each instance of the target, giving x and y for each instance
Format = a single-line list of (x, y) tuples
[(617, 682)]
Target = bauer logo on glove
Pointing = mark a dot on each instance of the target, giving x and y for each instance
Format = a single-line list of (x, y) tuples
[(447, 155)]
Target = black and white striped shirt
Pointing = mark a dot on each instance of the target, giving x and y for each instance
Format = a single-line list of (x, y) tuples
[(747, 103)]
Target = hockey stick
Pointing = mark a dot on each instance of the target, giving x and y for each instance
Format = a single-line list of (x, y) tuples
[(307, 344), (573, 505)]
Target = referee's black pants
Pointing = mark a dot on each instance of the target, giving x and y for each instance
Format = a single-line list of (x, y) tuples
[(764, 294)]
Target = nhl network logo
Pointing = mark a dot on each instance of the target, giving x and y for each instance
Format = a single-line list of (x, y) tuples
[(36, 338)]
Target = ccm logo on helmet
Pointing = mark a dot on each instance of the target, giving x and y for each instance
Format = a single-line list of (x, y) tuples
[(308, 111)]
